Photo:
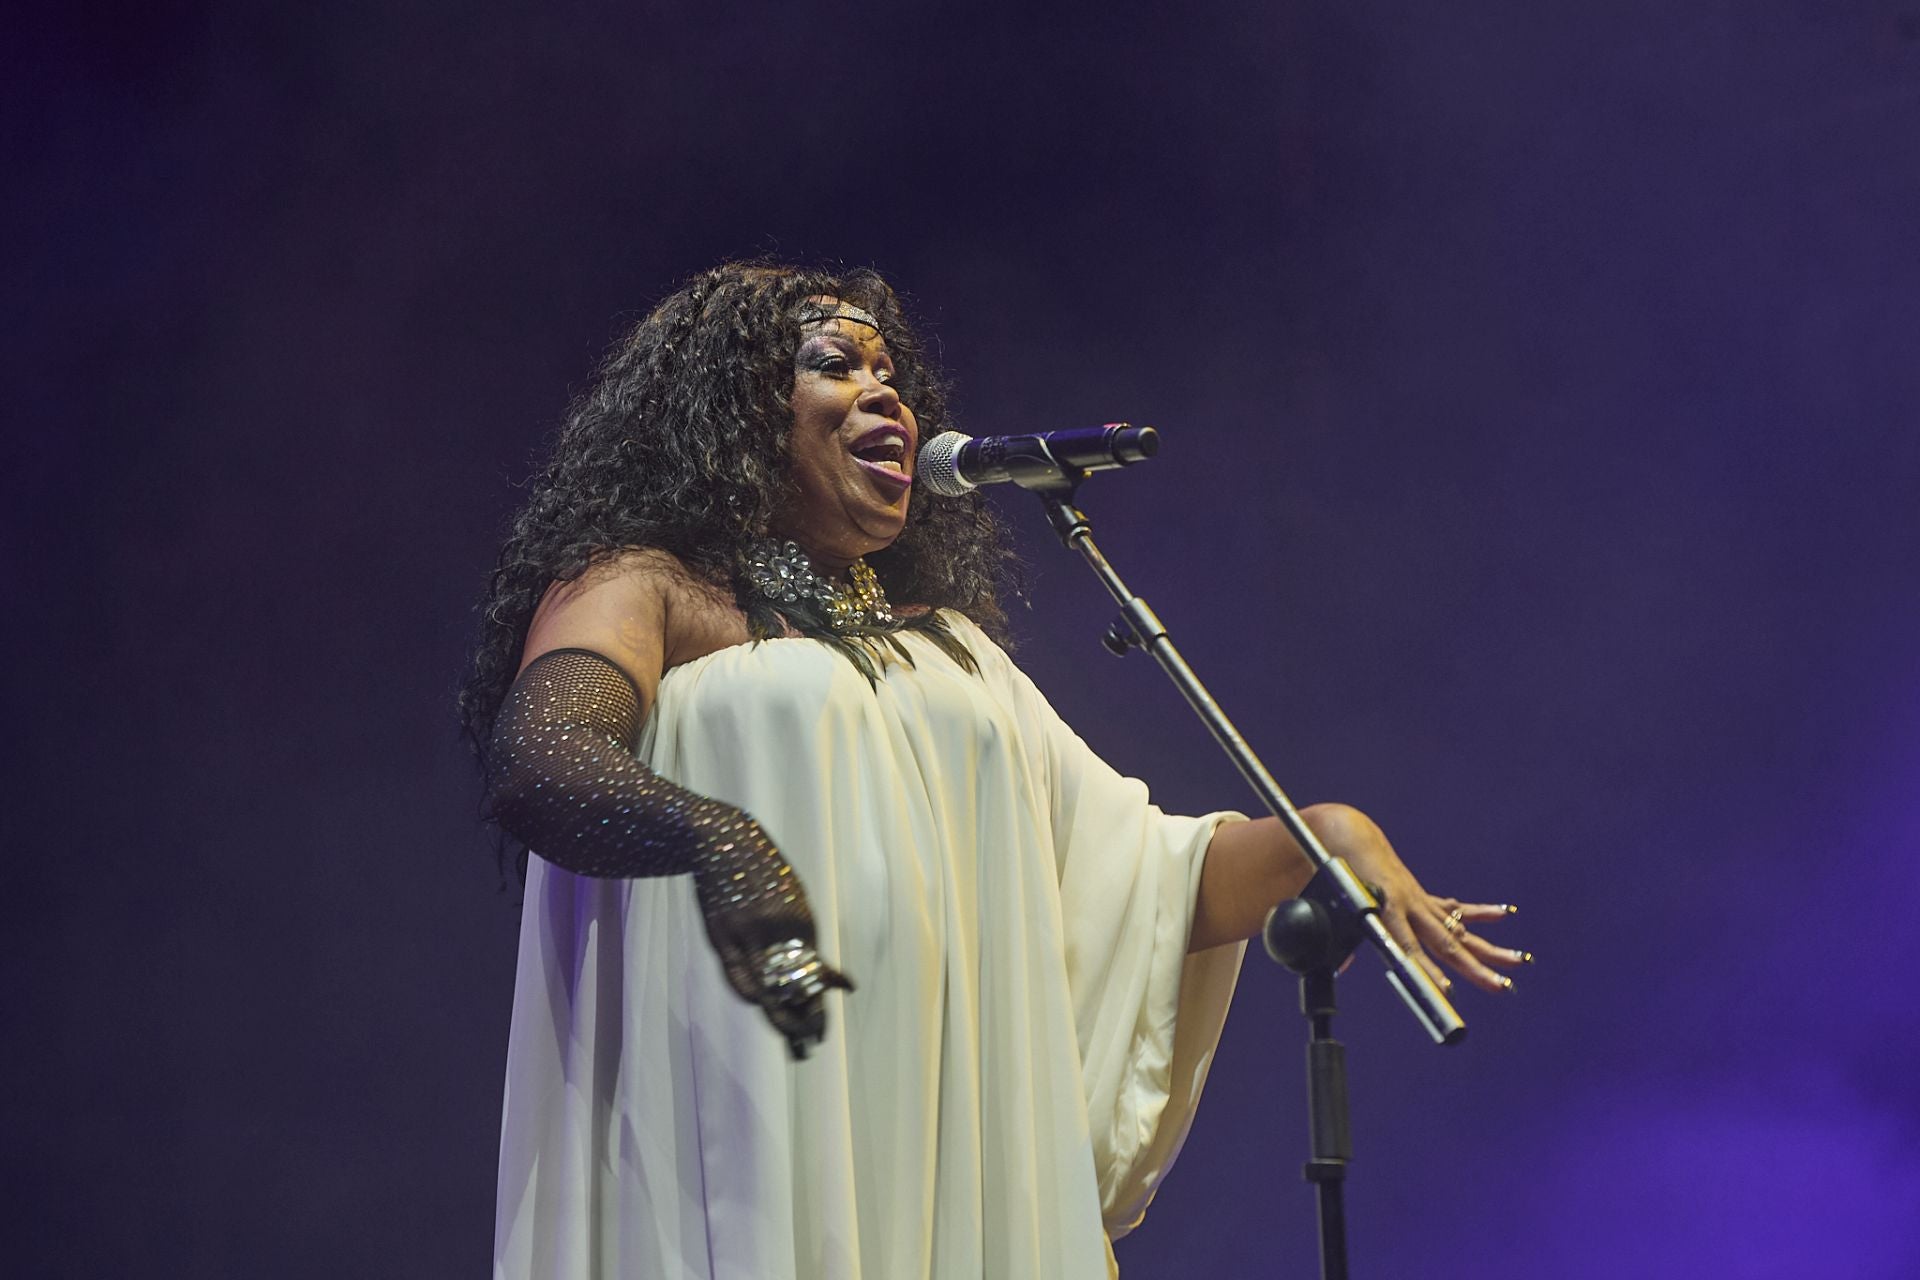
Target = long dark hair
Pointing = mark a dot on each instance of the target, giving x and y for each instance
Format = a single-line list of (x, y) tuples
[(680, 445)]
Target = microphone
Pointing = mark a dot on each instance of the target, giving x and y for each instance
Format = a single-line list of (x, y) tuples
[(953, 465)]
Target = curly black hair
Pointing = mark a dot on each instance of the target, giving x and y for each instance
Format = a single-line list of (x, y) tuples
[(680, 445)]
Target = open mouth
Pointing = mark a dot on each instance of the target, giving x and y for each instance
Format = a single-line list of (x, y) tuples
[(883, 453), (890, 453)]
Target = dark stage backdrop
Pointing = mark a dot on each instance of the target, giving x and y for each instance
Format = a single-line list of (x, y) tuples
[(1538, 384)]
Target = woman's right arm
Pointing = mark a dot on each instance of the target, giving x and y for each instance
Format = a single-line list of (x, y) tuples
[(566, 782)]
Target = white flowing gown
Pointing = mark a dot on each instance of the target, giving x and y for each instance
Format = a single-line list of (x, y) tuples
[(1004, 1091)]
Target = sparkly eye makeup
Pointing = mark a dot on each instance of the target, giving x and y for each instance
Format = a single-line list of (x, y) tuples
[(821, 355), (834, 355)]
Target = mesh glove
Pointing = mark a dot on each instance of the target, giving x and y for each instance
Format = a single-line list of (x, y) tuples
[(565, 781)]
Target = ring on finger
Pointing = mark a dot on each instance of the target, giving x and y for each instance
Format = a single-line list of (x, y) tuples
[(790, 972), (1452, 923)]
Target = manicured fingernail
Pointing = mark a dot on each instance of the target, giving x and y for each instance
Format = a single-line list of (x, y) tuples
[(1506, 983), (1524, 957), (1510, 909)]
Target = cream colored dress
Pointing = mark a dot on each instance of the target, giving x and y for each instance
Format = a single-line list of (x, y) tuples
[(1004, 1091)]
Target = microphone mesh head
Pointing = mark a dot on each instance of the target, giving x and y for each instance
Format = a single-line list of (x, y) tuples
[(939, 465)]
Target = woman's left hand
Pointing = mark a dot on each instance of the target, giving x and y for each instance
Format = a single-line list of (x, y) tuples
[(1425, 925)]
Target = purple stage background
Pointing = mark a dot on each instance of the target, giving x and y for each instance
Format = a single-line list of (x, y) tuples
[(1539, 390)]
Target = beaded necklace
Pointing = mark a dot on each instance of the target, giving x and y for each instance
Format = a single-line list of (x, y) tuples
[(782, 572)]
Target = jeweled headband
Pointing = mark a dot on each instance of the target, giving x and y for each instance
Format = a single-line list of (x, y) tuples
[(812, 312)]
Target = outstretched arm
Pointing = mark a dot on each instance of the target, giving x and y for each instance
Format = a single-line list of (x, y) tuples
[(1251, 866)]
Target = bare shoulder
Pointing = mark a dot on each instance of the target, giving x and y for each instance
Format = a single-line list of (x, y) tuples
[(643, 610), (702, 618)]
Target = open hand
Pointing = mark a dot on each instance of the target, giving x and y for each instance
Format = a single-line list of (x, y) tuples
[(1424, 925)]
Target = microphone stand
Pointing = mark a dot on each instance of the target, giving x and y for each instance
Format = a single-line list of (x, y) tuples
[(1313, 935), (1336, 903)]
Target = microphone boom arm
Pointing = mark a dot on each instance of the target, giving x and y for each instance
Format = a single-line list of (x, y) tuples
[(1139, 625)]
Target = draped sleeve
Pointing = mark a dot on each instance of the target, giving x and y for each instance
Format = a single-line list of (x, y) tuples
[(1147, 1015)]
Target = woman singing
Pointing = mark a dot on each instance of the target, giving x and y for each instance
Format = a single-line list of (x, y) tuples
[(841, 955)]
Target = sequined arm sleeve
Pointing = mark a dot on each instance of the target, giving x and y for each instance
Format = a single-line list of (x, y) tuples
[(565, 781)]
